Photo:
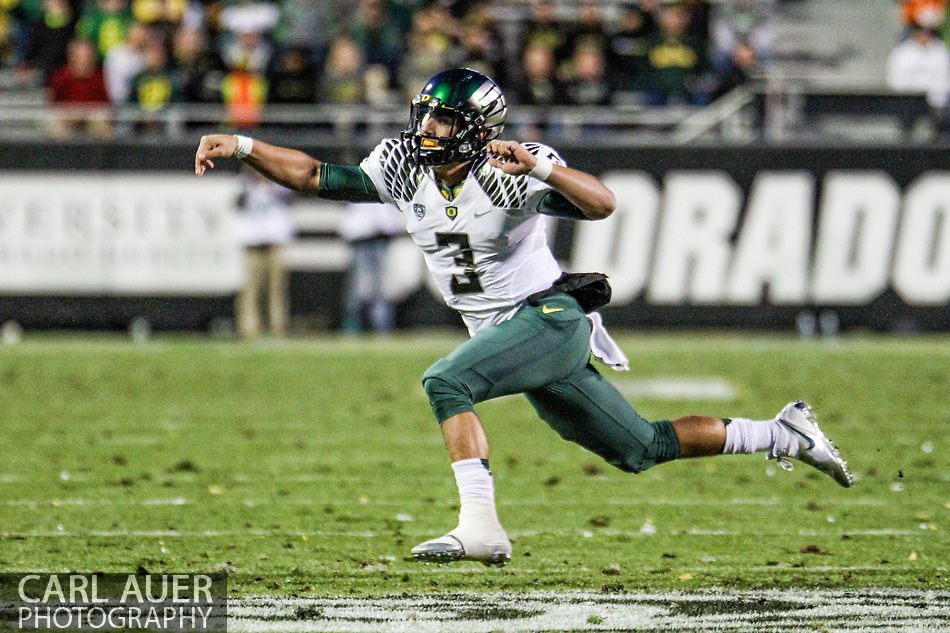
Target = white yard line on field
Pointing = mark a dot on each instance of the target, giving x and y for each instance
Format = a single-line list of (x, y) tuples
[(370, 534), (658, 501), (787, 610), (704, 388), (676, 388), (539, 501), (188, 533)]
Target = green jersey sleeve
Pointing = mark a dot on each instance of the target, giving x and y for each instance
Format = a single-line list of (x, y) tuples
[(346, 182), (557, 205)]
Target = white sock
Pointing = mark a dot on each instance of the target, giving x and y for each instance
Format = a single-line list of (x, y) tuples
[(749, 436), (476, 491), (479, 530), (473, 478)]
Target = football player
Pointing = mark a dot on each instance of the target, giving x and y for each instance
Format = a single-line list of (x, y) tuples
[(476, 205)]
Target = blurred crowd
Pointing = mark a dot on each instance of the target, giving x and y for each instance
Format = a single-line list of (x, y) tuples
[(653, 52), (248, 53), (245, 54)]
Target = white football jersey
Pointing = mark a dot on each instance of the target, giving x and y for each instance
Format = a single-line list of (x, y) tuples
[(486, 247)]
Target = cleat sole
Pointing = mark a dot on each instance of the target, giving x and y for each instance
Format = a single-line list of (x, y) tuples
[(499, 560), (443, 557), (837, 469), (437, 557)]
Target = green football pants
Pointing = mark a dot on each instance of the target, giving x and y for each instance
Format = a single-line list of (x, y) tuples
[(544, 352)]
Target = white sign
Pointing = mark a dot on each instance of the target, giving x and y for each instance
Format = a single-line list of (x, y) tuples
[(118, 234), (687, 243), (698, 238)]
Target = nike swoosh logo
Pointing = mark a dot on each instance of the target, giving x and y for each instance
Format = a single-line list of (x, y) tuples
[(478, 215), (548, 310), (811, 442)]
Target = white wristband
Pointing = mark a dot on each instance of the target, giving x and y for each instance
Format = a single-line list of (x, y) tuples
[(543, 168), (244, 146)]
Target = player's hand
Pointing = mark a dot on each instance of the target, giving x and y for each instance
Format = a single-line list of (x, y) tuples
[(511, 157), (213, 146)]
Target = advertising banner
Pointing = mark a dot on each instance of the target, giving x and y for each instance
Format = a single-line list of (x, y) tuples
[(117, 234), (750, 236)]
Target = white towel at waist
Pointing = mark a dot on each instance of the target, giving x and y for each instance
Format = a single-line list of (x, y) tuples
[(604, 348)]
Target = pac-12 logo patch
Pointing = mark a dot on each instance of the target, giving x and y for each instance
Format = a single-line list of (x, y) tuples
[(451, 212), (419, 210)]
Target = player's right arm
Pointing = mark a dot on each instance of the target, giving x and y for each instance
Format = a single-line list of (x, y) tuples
[(288, 167)]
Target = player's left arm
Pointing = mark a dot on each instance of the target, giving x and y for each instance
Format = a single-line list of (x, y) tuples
[(584, 191)]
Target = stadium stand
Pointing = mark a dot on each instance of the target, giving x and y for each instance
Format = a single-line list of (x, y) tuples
[(299, 67)]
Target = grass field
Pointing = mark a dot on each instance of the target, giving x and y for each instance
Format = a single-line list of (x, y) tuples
[(309, 468)]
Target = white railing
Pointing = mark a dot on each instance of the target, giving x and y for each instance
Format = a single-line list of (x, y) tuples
[(323, 122), (771, 111), (726, 118)]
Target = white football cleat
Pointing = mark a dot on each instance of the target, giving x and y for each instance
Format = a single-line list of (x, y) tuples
[(802, 439), (488, 545)]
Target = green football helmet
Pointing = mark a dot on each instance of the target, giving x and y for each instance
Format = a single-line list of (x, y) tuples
[(466, 100)]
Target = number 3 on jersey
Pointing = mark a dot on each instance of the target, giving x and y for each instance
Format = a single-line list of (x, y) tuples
[(465, 259)]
